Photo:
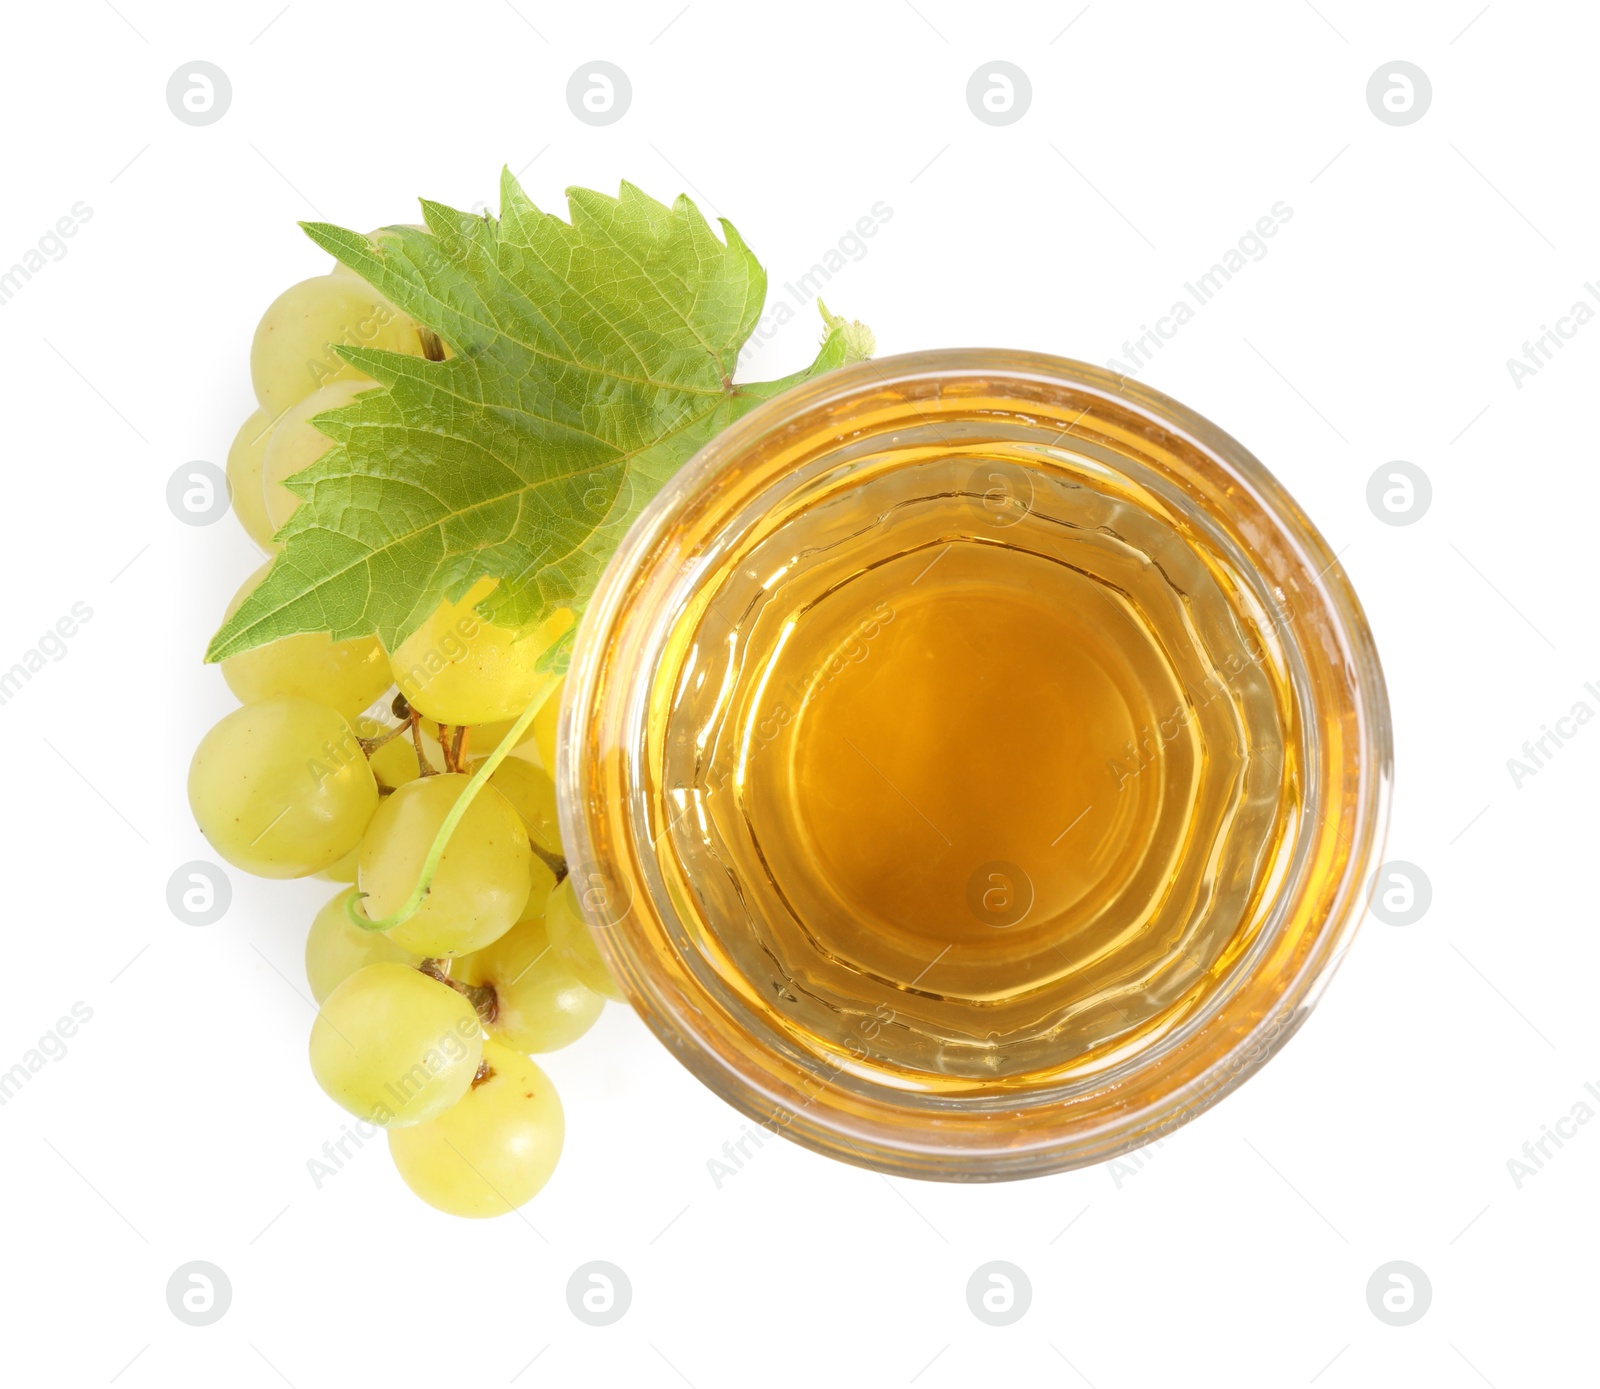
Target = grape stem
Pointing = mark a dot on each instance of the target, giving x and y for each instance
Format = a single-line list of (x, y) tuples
[(554, 862), (441, 840), (424, 767), (453, 745), (371, 745), (482, 997)]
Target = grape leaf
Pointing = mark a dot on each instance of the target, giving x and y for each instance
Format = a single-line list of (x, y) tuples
[(589, 360)]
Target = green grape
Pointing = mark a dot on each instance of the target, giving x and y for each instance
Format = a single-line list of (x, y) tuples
[(292, 354), (542, 882), (540, 1004), (249, 447), (296, 444), (533, 794), (395, 763), (346, 675), (492, 1152), (483, 879), (570, 936), (336, 948), (344, 871), (395, 1047), (281, 789), (544, 727), (458, 668)]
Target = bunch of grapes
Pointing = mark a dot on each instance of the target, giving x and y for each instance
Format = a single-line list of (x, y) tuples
[(425, 1028)]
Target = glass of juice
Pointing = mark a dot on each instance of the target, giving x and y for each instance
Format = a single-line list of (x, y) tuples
[(973, 764)]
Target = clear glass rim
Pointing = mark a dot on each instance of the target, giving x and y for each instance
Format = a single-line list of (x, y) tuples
[(916, 1134)]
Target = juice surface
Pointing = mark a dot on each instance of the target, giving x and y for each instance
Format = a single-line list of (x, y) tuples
[(979, 784), (976, 726)]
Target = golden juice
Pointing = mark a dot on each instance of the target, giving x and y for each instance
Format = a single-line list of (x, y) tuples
[(994, 758), (973, 764)]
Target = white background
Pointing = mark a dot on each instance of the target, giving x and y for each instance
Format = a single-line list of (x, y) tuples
[(180, 1122)]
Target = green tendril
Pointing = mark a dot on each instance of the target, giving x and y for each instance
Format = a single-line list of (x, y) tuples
[(441, 840)]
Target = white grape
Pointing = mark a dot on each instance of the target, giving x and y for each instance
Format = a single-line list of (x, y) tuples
[(494, 1150), (292, 354), (459, 668), (570, 936), (531, 791), (296, 444), (344, 871), (483, 879), (540, 1004), (245, 457), (347, 675), (336, 947), (395, 1047), (544, 726), (281, 787)]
